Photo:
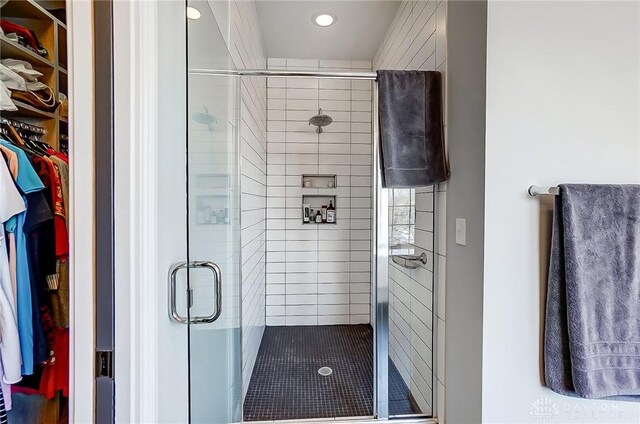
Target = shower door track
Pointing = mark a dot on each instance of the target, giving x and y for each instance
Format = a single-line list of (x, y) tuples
[(368, 420)]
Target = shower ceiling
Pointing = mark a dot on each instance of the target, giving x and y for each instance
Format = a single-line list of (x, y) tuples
[(360, 26)]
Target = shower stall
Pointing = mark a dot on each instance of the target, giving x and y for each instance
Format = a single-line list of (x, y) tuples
[(290, 313)]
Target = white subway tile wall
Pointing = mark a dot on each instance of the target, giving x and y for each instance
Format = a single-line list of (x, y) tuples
[(416, 39), (247, 52), (318, 274)]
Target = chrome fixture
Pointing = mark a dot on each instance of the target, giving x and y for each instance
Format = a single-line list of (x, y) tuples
[(205, 118), (217, 284), (320, 120), (541, 191), (410, 261), (365, 75)]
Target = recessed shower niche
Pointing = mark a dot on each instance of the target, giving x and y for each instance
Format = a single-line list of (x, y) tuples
[(319, 209), (318, 181)]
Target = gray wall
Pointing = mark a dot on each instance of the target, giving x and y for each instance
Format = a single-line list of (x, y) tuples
[(563, 105), (466, 38)]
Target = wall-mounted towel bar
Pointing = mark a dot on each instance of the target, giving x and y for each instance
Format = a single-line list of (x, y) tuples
[(410, 261), (540, 191)]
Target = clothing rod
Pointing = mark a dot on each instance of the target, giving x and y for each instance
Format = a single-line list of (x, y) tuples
[(365, 75), (541, 191)]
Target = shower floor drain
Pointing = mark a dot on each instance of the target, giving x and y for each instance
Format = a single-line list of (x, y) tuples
[(325, 371)]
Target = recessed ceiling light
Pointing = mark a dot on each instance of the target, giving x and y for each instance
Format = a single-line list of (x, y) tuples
[(324, 19), (193, 13)]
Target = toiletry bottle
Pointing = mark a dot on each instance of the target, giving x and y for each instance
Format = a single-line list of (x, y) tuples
[(331, 213), (324, 213), (318, 218), (305, 213)]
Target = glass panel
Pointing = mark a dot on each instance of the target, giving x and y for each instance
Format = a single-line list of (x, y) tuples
[(213, 226), (410, 375)]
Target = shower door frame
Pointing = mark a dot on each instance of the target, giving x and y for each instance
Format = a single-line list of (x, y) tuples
[(379, 240), (138, 51), (147, 406), (380, 233)]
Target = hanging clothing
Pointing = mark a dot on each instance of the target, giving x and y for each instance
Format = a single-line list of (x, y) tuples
[(34, 273), (11, 159), (3, 409), (27, 182), (11, 204)]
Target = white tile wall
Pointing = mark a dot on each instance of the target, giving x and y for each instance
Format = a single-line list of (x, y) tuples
[(417, 40), (318, 274), (247, 51)]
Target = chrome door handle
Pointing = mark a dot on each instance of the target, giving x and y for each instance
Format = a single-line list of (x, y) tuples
[(218, 292), (173, 310)]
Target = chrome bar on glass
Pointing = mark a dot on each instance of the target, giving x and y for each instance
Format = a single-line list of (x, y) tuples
[(364, 75), (380, 274), (542, 191), (410, 261)]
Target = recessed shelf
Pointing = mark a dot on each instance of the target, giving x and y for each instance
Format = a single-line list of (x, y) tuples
[(315, 203), (318, 181)]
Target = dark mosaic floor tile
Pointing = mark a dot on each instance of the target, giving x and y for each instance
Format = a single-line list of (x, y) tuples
[(286, 385)]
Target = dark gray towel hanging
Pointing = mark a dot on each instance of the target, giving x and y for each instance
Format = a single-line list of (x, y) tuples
[(411, 129), (592, 324)]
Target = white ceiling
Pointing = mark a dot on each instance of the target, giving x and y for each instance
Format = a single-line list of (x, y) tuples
[(359, 29)]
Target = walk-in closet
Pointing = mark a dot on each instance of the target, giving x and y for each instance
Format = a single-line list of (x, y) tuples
[(35, 210)]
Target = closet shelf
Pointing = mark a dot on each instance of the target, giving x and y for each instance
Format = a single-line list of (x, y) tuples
[(12, 50), (25, 110)]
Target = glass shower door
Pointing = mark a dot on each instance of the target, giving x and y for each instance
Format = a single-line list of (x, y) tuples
[(213, 196)]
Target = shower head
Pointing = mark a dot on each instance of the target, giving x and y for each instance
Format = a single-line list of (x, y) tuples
[(204, 118), (320, 120)]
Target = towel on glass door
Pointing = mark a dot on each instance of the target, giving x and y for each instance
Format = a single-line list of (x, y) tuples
[(592, 326), (411, 129)]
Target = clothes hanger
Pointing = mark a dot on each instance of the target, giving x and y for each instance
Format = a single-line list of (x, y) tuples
[(15, 139)]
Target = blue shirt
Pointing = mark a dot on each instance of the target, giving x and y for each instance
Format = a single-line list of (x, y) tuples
[(28, 182)]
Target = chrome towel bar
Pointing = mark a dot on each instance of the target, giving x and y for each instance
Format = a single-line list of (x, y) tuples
[(542, 191), (410, 261)]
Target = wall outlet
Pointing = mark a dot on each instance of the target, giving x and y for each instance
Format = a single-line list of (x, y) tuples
[(461, 231)]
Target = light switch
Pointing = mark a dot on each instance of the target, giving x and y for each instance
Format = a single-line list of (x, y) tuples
[(461, 231)]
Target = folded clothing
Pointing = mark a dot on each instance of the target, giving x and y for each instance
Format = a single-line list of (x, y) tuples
[(27, 90), (26, 37), (592, 326), (22, 68), (12, 79), (5, 99)]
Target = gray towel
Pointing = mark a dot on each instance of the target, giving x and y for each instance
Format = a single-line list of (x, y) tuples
[(411, 129), (592, 326)]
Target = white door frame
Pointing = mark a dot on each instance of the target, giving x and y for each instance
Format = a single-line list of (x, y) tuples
[(150, 360), (135, 119), (81, 214)]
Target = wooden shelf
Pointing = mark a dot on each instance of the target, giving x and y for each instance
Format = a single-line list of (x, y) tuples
[(28, 9), (9, 49), (28, 111), (52, 34)]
